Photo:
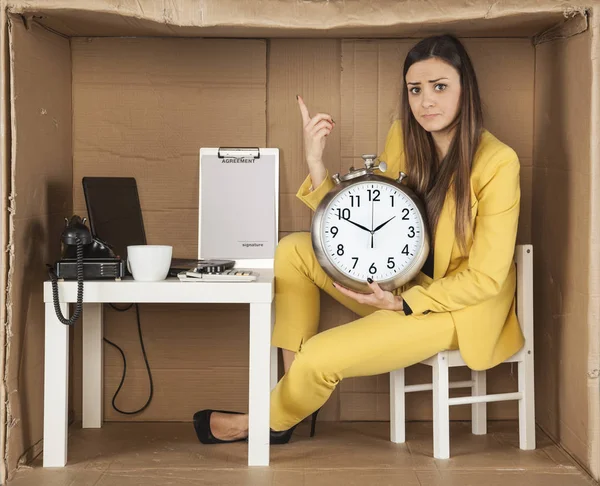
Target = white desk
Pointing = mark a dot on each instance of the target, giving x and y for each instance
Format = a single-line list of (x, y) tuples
[(263, 359)]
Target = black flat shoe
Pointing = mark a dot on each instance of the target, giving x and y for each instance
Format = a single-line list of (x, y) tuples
[(202, 428)]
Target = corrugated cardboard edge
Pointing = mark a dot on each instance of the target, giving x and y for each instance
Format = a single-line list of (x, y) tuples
[(4, 171), (576, 22), (298, 14), (594, 259), (8, 254)]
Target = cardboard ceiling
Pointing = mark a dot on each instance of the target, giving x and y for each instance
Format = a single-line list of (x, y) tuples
[(285, 18)]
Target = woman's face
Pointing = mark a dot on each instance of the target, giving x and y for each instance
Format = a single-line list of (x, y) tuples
[(433, 93)]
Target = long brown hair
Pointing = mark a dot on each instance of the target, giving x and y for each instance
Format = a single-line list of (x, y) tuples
[(427, 175)]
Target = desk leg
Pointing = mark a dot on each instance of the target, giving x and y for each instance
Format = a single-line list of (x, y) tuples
[(56, 387), (92, 366), (274, 362), (259, 393)]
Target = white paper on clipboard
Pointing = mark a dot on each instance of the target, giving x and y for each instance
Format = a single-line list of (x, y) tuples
[(238, 204)]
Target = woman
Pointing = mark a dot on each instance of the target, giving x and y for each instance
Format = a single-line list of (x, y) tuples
[(464, 296)]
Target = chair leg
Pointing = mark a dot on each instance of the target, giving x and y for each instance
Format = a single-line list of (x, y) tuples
[(527, 404), (441, 407), (479, 410), (397, 407)]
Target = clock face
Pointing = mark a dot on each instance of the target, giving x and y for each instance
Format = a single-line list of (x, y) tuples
[(372, 229)]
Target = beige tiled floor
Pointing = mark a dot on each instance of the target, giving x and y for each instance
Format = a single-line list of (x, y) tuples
[(348, 454)]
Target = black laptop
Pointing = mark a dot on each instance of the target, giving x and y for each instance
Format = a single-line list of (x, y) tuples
[(115, 216)]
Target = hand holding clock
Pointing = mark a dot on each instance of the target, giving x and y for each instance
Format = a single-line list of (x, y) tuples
[(381, 299)]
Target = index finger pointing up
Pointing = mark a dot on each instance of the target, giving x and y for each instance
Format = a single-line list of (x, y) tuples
[(303, 110)]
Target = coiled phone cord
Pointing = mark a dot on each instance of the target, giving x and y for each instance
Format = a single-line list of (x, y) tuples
[(54, 279), (139, 326), (77, 314)]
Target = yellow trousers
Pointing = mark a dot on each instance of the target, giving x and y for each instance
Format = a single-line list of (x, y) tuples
[(379, 342)]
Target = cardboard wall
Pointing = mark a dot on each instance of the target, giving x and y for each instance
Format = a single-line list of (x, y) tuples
[(139, 111), (4, 172), (41, 195), (563, 242)]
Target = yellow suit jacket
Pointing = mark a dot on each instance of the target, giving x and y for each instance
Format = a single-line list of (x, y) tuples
[(478, 290)]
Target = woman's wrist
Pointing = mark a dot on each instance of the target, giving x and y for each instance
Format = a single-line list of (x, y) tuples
[(317, 173), (399, 303)]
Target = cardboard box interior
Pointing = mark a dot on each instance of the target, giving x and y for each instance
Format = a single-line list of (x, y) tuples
[(96, 93)]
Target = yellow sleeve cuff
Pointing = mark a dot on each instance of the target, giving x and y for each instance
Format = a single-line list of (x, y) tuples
[(414, 298), (312, 197)]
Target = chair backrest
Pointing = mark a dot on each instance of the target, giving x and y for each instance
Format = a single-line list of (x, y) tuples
[(524, 261)]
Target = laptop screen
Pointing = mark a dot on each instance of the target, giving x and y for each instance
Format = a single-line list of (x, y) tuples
[(114, 211)]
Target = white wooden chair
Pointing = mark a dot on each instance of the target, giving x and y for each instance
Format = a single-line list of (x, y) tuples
[(441, 362)]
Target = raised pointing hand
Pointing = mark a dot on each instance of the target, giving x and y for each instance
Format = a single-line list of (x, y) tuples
[(316, 130)]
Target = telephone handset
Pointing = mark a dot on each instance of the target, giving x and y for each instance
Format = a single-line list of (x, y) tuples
[(83, 257)]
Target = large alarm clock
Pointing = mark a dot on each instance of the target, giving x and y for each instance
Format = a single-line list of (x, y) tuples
[(373, 226)]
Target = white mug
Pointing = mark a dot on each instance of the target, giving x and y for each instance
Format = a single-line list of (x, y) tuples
[(149, 263)]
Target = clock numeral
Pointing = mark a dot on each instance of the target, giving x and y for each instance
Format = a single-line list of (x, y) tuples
[(355, 262), (411, 233), (352, 197), (405, 214), (372, 269), (343, 213), (392, 198), (390, 263), (340, 249), (405, 250), (373, 194), (334, 231)]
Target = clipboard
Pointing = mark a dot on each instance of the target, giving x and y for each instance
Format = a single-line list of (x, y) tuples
[(238, 206)]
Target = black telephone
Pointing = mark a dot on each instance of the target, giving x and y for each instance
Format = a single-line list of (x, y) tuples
[(83, 257)]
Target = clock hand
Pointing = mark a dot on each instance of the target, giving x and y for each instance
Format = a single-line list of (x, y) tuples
[(383, 224), (356, 224), (372, 211)]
